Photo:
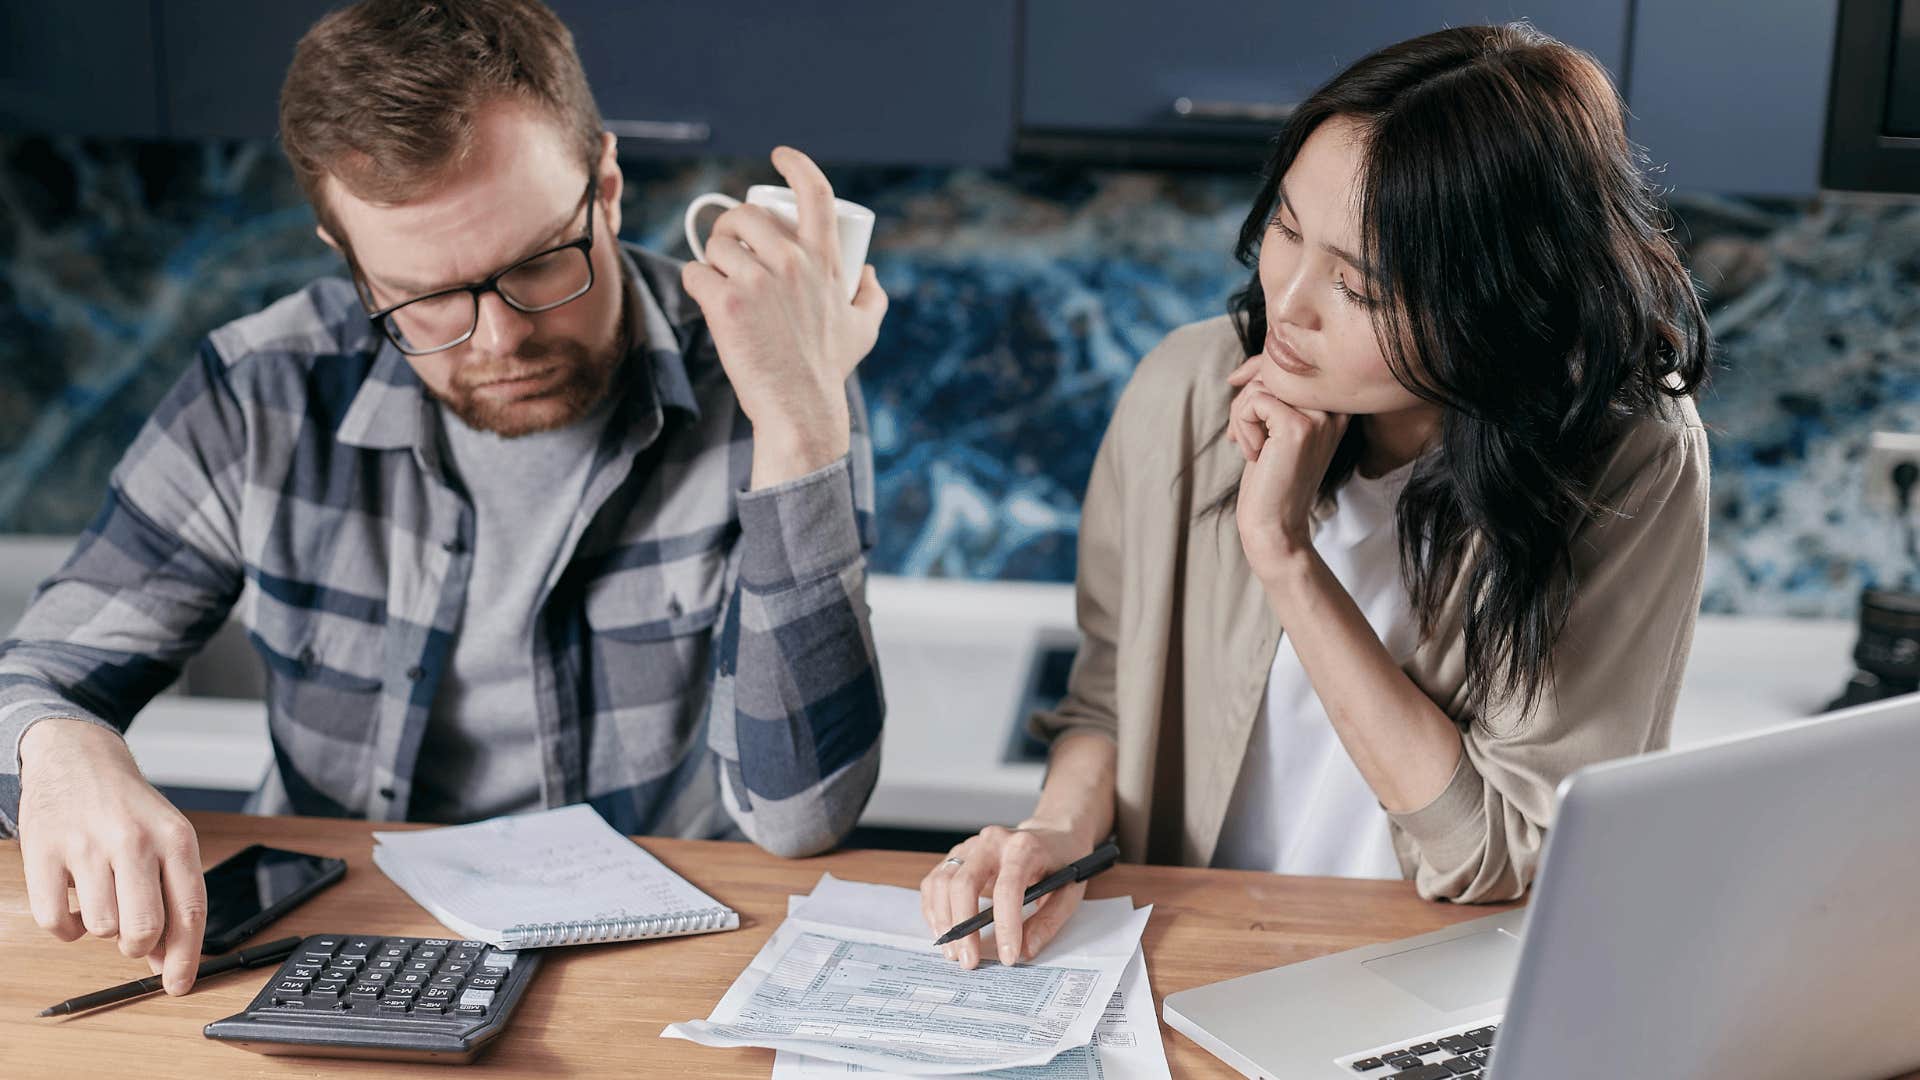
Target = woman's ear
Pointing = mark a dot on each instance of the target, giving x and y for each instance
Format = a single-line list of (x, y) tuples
[(326, 237)]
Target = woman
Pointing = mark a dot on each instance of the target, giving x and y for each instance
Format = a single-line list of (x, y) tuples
[(1445, 441)]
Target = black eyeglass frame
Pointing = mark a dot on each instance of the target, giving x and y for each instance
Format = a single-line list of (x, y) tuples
[(492, 285)]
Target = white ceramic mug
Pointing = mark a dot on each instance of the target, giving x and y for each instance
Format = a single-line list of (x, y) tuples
[(853, 223)]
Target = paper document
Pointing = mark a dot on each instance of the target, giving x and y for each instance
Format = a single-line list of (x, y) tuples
[(1126, 1044), (852, 977)]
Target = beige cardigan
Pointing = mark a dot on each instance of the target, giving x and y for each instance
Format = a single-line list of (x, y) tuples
[(1178, 637)]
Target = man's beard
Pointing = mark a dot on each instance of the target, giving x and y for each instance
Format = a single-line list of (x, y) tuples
[(584, 381)]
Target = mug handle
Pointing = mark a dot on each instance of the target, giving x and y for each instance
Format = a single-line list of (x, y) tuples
[(711, 198)]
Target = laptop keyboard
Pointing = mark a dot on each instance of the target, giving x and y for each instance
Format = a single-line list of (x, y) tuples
[(1448, 1055)]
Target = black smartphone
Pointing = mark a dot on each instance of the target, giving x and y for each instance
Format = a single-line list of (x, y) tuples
[(258, 885)]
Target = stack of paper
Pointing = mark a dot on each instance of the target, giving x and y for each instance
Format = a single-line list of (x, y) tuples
[(851, 983)]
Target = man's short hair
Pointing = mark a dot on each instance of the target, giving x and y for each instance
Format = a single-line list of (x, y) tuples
[(382, 95)]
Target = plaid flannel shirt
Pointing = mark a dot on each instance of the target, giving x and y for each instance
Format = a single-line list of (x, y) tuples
[(703, 662)]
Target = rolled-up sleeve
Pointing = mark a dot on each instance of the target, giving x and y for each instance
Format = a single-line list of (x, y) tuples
[(797, 705), (1616, 677)]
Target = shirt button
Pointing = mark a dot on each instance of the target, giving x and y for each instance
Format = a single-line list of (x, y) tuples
[(386, 793), (454, 546), (415, 672)]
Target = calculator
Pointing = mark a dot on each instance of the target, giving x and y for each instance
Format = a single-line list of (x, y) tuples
[(399, 998)]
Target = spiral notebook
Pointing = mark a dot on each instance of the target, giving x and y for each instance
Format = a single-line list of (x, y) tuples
[(551, 877)]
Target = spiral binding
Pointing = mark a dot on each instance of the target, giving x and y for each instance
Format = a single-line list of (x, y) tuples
[(541, 935)]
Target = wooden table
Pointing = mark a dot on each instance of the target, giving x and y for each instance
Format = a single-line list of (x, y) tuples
[(598, 1010)]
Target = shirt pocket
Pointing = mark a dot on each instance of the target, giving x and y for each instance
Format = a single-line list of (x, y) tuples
[(658, 601)]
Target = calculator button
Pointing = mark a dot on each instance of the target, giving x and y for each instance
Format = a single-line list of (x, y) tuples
[(476, 997), (420, 965), (437, 993), (411, 978), (446, 981), (348, 960), (465, 954), (485, 982), (440, 941), (384, 965), (499, 959), (438, 1008), (336, 972), (292, 987), (324, 995), (471, 1010), (303, 971), (428, 952), (361, 945), (366, 990), (394, 1004), (394, 952), (377, 978), (454, 967)]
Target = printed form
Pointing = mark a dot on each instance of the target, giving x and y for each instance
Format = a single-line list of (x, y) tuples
[(852, 977), (1126, 1044)]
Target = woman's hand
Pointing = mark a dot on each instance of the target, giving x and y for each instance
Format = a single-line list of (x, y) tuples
[(1287, 450), (1002, 863)]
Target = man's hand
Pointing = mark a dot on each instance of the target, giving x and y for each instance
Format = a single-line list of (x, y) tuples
[(775, 304), (1287, 451), (87, 815)]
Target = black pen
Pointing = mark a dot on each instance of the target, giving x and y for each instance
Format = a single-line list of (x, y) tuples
[(1078, 870), (271, 953)]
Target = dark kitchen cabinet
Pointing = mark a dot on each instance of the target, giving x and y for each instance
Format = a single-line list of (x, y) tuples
[(845, 80), (1147, 67), (79, 67), (1731, 95)]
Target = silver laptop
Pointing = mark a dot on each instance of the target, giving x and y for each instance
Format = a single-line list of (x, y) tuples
[(1749, 907)]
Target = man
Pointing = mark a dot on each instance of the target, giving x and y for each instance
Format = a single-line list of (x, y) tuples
[(563, 522)]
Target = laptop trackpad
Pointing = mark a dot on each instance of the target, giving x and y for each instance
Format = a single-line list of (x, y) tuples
[(1454, 974)]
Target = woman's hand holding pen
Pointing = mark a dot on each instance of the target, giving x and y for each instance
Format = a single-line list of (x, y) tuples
[(1002, 863)]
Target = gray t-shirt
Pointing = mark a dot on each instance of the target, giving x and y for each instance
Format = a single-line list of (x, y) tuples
[(480, 756)]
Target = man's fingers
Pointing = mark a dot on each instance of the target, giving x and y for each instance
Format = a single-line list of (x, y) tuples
[(186, 900), (702, 282), (143, 914), (47, 893), (93, 885), (814, 196), (769, 240), (871, 299)]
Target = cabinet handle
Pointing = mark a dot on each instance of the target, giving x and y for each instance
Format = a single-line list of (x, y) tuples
[(667, 131), (1248, 111)]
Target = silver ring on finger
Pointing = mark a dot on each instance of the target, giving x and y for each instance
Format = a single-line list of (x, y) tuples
[(954, 862)]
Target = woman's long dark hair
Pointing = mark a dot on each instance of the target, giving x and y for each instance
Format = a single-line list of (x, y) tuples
[(1528, 287)]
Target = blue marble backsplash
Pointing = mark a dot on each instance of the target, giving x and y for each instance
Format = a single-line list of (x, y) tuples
[(1020, 302)]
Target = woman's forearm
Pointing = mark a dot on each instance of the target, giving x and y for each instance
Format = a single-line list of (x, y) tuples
[(1078, 794), (1404, 745)]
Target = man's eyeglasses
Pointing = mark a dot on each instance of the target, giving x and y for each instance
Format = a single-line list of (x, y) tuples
[(540, 282)]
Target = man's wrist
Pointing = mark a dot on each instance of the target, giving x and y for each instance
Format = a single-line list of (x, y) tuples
[(52, 736), (785, 450)]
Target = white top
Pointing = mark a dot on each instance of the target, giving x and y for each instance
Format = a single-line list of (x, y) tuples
[(1301, 805)]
